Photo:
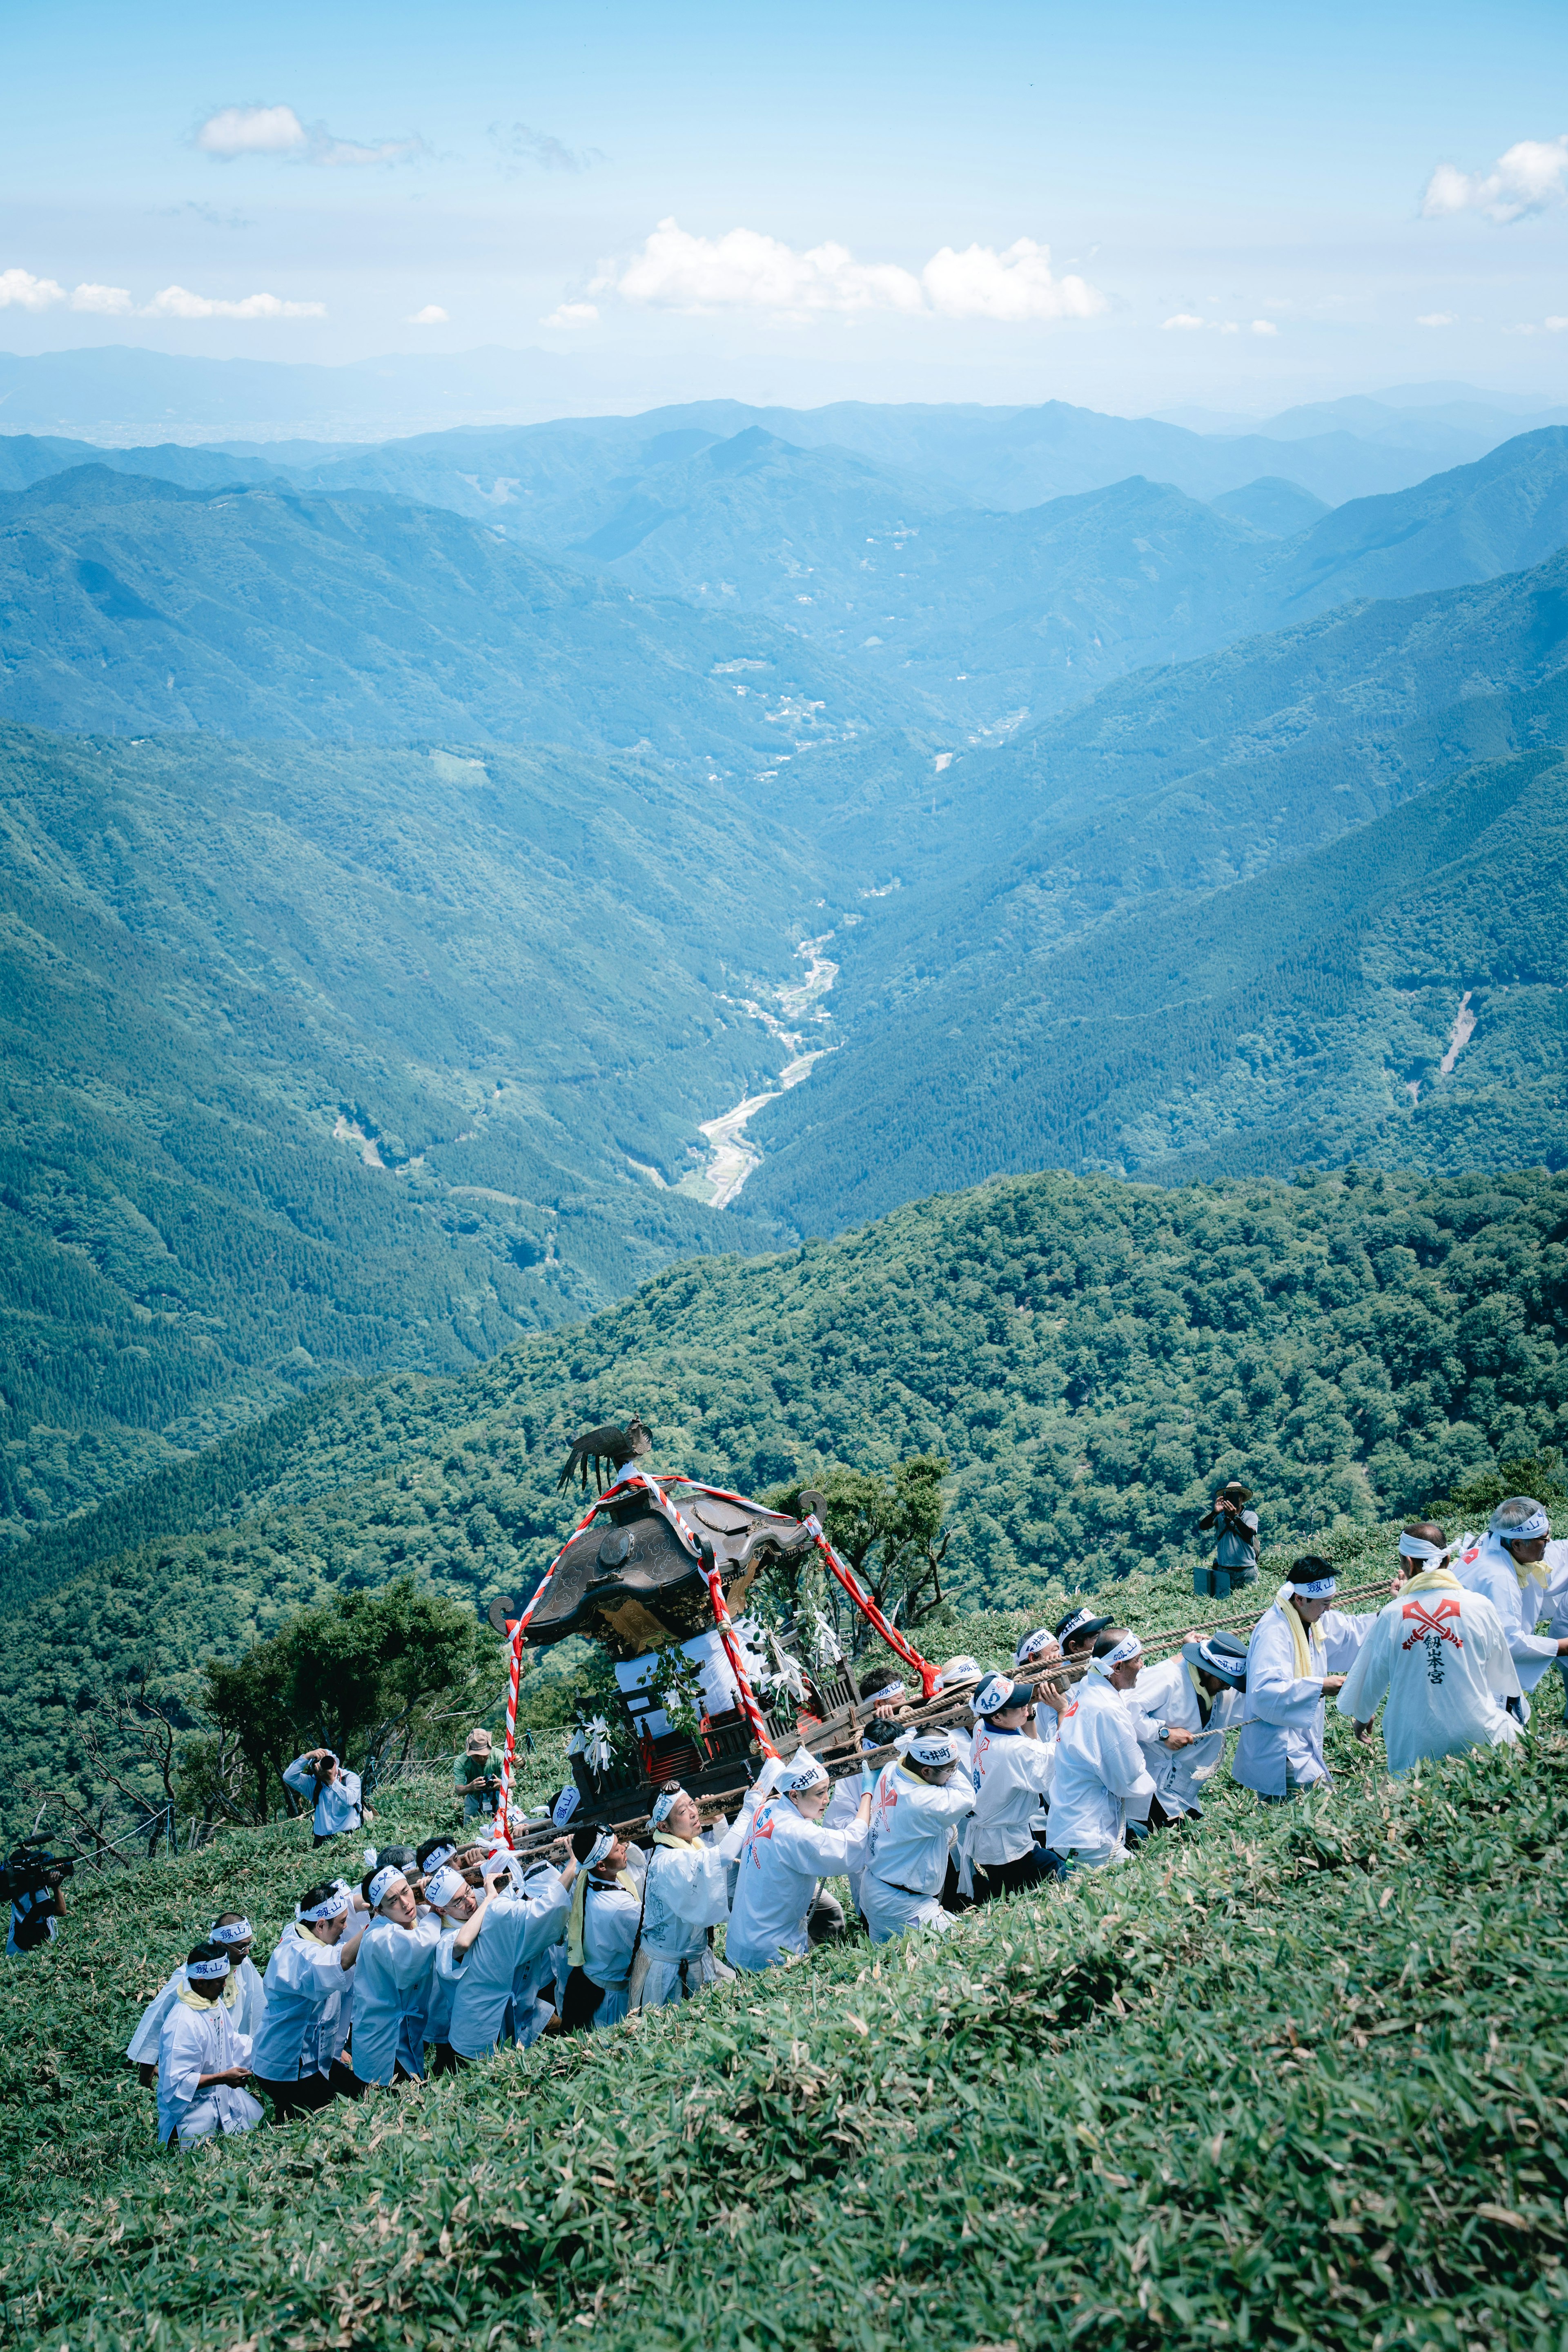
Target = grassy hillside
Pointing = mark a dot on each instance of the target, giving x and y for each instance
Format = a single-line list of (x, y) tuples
[(1289, 2078), (1089, 1356)]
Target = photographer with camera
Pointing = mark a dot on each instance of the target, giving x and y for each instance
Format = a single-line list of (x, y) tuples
[(34, 1883), (332, 1789), (1234, 1561), (477, 1775)]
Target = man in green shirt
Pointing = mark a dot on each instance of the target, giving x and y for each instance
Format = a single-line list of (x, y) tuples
[(477, 1774)]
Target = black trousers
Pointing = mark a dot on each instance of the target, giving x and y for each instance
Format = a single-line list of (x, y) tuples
[(1031, 1869), (312, 2092)]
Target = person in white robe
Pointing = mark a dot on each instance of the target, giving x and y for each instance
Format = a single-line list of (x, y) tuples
[(204, 2062), (1440, 1655), (789, 1847), (1508, 1567), (308, 1988), (918, 1804), (1101, 1782), (392, 1981), (1182, 1709), (1041, 1648), (242, 1996), (1011, 1766), (685, 1894), (503, 1934), (601, 1933), (1300, 1650), (331, 1790)]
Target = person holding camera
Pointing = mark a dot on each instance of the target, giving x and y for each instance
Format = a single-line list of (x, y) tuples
[(203, 2061), (477, 1775), (1234, 1561), (333, 1792), (34, 1880)]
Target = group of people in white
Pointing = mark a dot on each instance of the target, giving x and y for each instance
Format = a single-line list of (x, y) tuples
[(446, 1951)]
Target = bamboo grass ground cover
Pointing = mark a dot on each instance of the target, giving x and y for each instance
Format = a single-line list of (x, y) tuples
[(1297, 2076)]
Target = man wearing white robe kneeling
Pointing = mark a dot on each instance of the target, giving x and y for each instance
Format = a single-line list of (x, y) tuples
[(1100, 1783), (916, 1806), (204, 2062), (787, 1850), (1442, 1655)]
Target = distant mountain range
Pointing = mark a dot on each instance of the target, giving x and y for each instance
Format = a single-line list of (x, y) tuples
[(423, 839)]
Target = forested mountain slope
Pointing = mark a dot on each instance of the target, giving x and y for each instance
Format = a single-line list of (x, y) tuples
[(1381, 999), (132, 606), (322, 1062), (1090, 1355)]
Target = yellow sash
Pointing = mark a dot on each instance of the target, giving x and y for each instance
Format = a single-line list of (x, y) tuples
[(575, 1922), (1306, 1668), (1432, 1580)]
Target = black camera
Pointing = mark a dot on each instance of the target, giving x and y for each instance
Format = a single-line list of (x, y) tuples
[(29, 1874)]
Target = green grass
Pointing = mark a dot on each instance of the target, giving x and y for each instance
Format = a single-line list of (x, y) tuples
[(1291, 2078)]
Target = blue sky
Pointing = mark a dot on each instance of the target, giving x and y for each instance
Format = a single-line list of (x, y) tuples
[(1003, 202)]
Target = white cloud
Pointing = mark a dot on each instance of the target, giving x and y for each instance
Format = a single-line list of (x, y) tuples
[(747, 270), (1557, 326), (1532, 175), (107, 301), (1264, 327), (572, 314), (1185, 321), (252, 131), (179, 302), (432, 315), (20, 290), (1437, 319), (1016, 286), (236, 131)]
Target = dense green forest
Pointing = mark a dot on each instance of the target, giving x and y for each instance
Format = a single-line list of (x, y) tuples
[(1089, 1356)]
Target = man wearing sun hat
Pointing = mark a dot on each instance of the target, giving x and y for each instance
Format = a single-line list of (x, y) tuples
[(1234, 1561), (788, 1849), (1182, 1709)]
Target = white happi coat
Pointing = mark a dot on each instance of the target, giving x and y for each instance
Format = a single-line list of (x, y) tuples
[(1168, 1694), (1010, 1774), (442, 1990), (391, 1996), (781, 1860), (1485, 1567), (1100, 1778), (197, 2042), (610, 1917), (309, 1992), (912, 1827), (1281, 1743), (516, 1931), (243, 1997), (337, 1806), (687, 1891), (1443, 1657)]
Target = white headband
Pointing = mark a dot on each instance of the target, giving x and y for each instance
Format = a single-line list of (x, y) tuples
[(330, 1908), (1080, 1617), (1418, 1548), (888, 1695), (438, 1857), (996, 1694), (599, 1849), (932, 1747), (663, 1804), (444, 1887), (1319, 1590), (1538, 1524), (237, 1932), (805, 1773), (205, 1972), (1130, 1647), (382, 1885), (1033, 1645)]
